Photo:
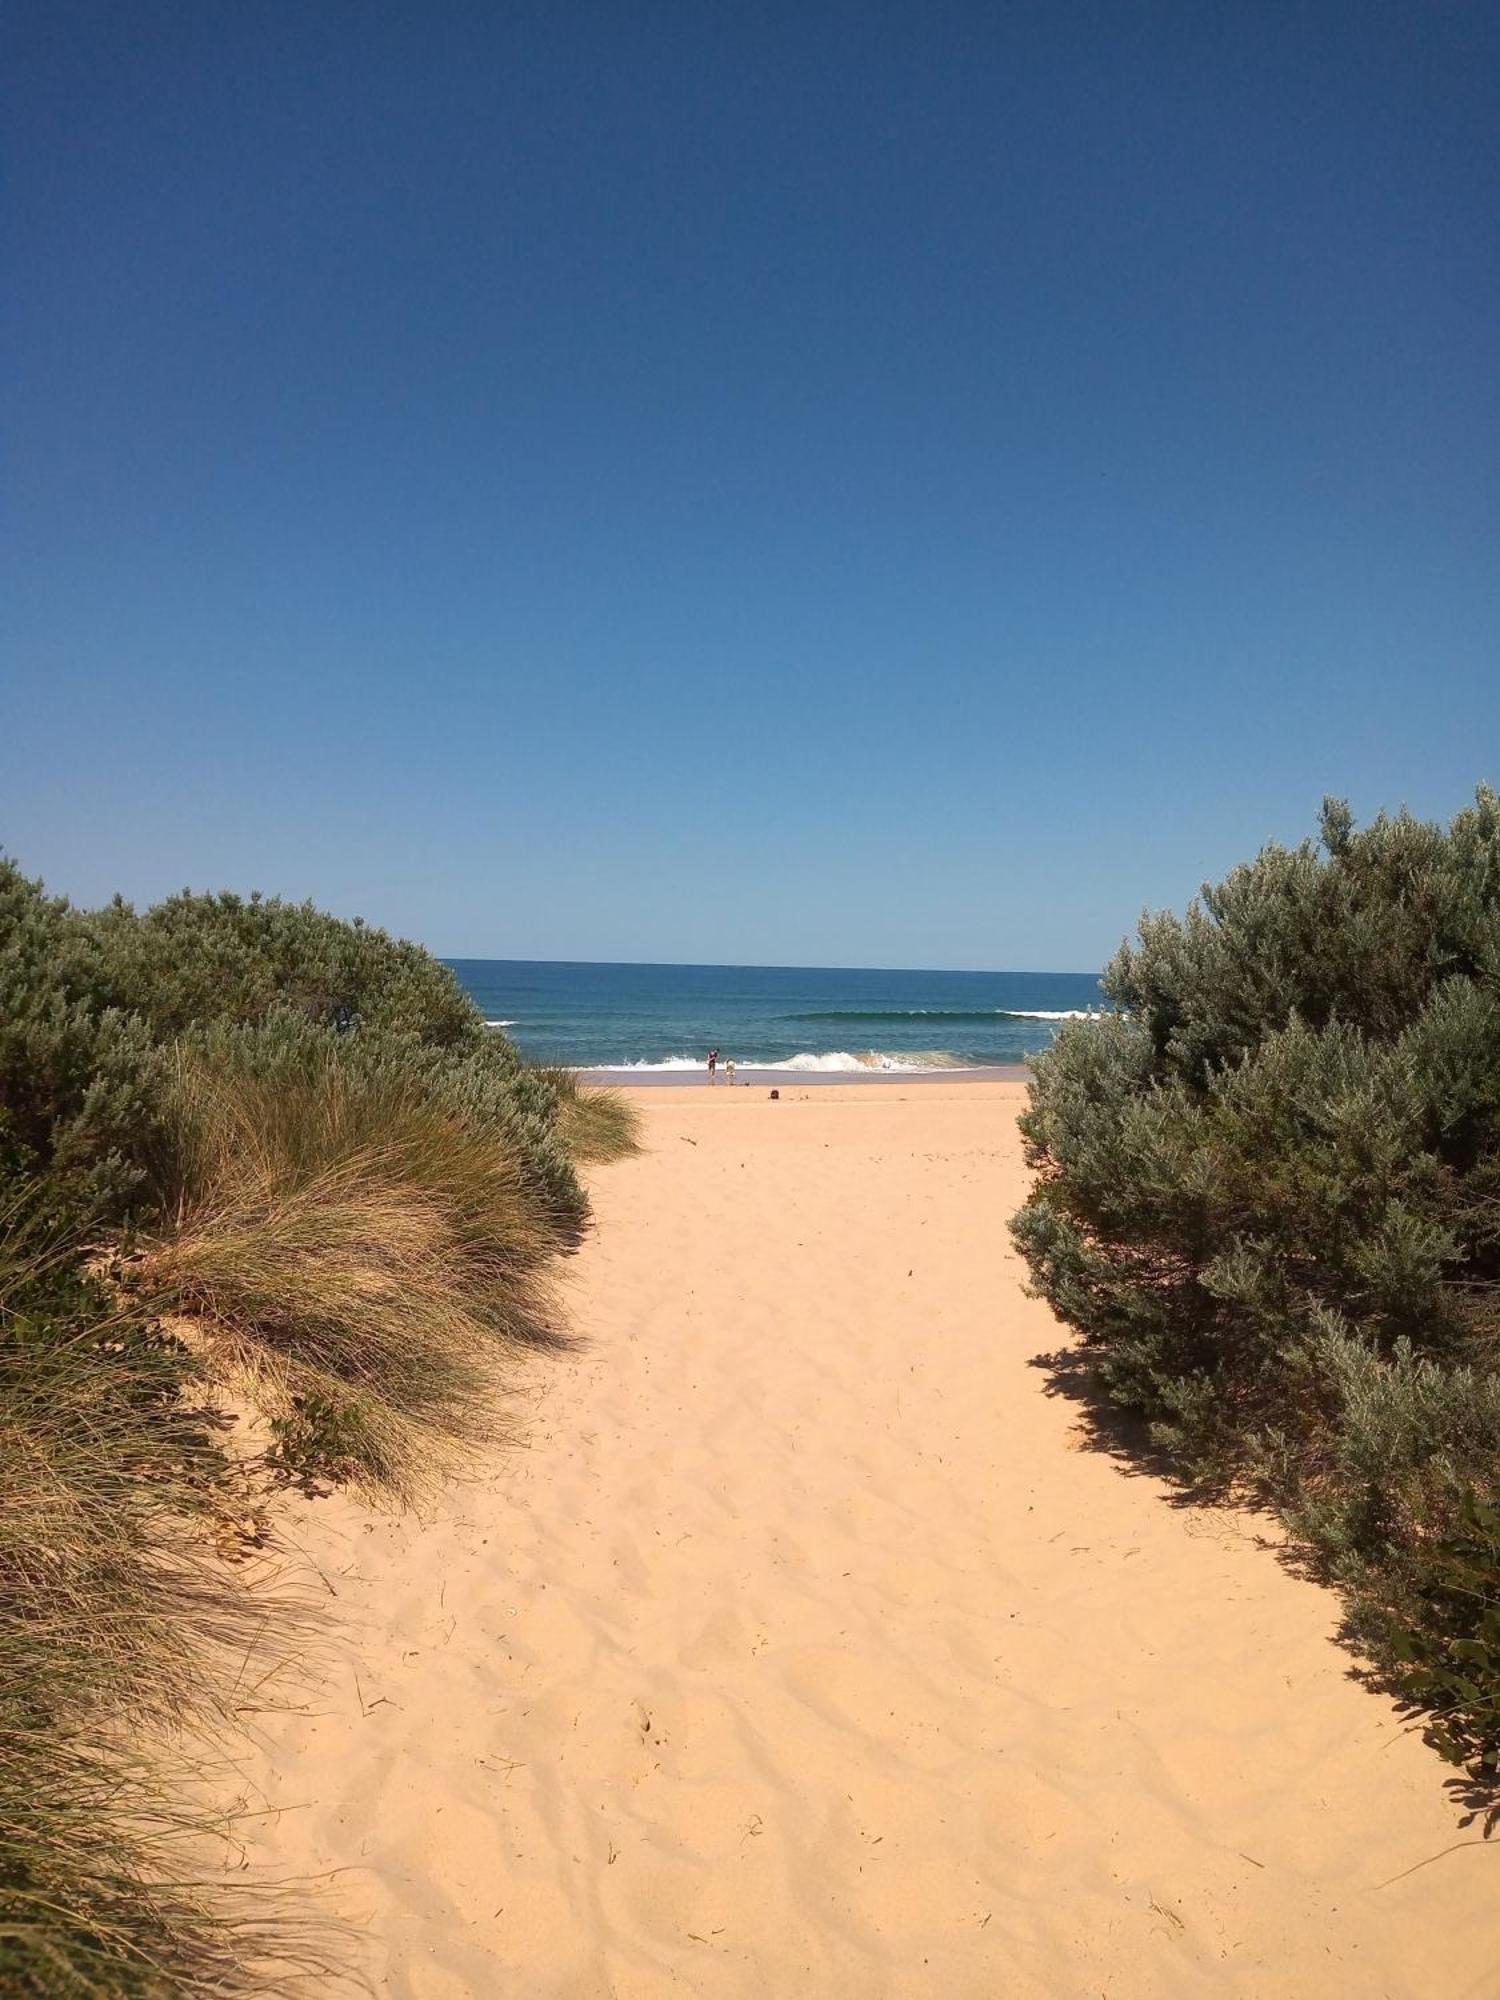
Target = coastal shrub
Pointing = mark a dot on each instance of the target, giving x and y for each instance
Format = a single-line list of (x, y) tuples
[(76, 1073), (92, 1004), (197, 958), (1268, 1196), (1448, 1646)]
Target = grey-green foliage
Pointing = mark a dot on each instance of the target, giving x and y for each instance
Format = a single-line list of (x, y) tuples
[(76, 1071), (92, 1002), (1397, 1460), (174, 963), (1268, 1188)]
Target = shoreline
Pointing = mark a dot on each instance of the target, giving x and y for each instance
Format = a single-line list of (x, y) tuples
[(766, 1075)]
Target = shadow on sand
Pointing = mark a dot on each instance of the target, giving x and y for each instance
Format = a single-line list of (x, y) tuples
[(1125, 1438), (1119, 1433)]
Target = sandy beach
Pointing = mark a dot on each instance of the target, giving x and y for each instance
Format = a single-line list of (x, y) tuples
[(809, 1644)]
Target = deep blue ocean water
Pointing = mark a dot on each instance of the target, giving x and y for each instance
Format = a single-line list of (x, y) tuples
[(667, 1017)]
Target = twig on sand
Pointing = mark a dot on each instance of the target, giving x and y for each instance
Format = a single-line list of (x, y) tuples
[(1430, 1859), (380, 1701)]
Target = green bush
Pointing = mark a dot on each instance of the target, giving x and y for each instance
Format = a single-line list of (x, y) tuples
[(92, 1005), (1268, 1197), (1449, 1649), (199, 958)]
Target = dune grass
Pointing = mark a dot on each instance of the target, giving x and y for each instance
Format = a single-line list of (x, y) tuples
[(359, 1260), (102, 1895), (364, 1262), (596, 1123), (118, 1618)]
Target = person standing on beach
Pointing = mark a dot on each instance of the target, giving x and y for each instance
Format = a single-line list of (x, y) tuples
[(729, 1071), (713, 1064)]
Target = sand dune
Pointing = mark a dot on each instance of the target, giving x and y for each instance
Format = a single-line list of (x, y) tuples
[(807, 1650)]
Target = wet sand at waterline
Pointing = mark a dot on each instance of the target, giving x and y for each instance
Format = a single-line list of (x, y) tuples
[(806, 1646)]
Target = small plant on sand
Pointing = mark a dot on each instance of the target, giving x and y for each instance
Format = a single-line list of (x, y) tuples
[(1268, 1196)]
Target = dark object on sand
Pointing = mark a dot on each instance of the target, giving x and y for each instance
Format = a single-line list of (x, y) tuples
[(776, 1093)]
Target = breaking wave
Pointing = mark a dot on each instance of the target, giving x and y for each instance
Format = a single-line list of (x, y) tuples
[(883, 1060), (950, 1014)]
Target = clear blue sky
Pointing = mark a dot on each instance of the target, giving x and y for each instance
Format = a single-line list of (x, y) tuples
[(804, 483)]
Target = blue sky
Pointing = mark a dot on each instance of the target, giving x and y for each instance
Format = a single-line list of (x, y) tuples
[(842, 484)]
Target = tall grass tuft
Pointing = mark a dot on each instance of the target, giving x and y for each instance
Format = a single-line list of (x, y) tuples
[(117, 1615), (594, 1122), (361, 1260)]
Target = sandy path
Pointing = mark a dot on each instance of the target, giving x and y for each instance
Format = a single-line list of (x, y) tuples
[(806, 1652)]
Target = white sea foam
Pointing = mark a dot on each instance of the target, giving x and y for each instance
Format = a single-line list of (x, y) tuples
[(970, 1014), (829, 1060), (500, 1024), (668, 1062)]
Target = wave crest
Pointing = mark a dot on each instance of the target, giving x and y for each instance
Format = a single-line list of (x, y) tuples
[(827, 1060), (950, 1014)]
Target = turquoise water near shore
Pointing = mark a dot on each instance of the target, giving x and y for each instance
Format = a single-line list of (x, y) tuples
[(664, 1018)]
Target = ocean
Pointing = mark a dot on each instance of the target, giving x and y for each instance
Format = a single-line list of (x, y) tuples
[(644, 1019)]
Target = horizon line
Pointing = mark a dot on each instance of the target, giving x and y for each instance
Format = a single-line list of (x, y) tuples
[(734, 965)]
